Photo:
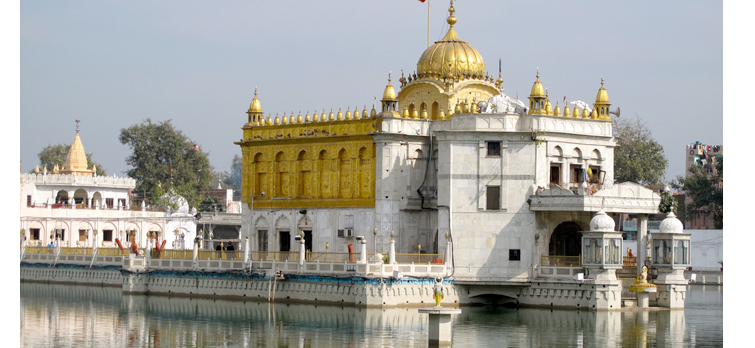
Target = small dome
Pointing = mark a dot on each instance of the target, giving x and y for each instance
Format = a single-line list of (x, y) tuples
[(602, 97), (557, 112), (340, 115), (671, 225), (537, 88), (601, 222), (389, 93), (255, 105)]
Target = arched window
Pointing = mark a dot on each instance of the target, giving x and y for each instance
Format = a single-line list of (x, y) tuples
[(435, 112), (344, 174), (258, 171), (305, 176), (281, 173), (365, 173), (323, 165)]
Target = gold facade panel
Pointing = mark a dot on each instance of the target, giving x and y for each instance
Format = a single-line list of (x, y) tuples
[(310, 172)]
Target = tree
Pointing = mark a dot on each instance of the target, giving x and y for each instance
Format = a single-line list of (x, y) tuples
[(234, 178), (165, 160), (706, 192), (56, 154), (637, 156)]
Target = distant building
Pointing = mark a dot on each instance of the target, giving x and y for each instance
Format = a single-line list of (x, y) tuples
[(74, 207)]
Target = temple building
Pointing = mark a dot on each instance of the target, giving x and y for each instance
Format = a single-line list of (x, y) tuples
[(449, 157), (73, 207)]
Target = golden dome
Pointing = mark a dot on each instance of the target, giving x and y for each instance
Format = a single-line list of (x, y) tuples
[(255, 105), (537, 88), (390, 93), (76, 160), (602, 97), (450, 56), (340, 115), (373, 113), (557, 111)]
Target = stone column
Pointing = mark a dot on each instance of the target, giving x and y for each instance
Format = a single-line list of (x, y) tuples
[(642, 241)]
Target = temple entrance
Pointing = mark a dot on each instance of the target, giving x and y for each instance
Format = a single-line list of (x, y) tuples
[(566, 240)]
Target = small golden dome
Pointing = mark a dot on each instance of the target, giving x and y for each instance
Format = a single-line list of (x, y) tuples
[(269, 120), (602, 97), (332, 115), (324, 116), (255, 105), (594, 114), (373, 113), (316, 117), (567, 111), (340, 115), (457, 108), (308, 118), (277, 120), (389, 93), (348, 113), (364, 112), (356, 112), (585, 113), (441, 115), (424, 114), (299, 119), (557, 111), (537, 88), (450, 56), (576, 111), (415, 114), (405, 113)]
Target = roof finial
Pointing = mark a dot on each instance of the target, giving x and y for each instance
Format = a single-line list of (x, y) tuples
[(255, 91), (451, 19), (601, 81), (77, 126)]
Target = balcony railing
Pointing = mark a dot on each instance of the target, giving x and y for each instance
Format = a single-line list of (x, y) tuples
[(561, 261)]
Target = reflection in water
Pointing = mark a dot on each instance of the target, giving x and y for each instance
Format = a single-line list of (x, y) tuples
[(63, 315)]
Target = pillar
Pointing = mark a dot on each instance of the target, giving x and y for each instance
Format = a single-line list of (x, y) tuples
[(363, 252), (392, 253), (642, 241), (439, 326)]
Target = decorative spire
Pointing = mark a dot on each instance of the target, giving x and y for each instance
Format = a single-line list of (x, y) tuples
[(451, 19), (77, 121)]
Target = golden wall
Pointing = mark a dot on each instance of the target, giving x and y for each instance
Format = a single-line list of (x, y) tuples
[(309, 165)]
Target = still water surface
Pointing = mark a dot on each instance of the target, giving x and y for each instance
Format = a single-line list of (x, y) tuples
[(82, 316)]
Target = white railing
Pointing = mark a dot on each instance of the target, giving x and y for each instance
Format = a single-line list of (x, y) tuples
[(114, 257)]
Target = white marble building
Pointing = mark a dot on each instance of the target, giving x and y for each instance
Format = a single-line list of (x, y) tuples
[(88, 210)]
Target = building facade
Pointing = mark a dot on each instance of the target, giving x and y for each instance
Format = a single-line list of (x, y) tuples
[(73, 207), (447, 158)]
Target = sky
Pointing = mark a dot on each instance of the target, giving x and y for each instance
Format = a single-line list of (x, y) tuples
[(113, 64)]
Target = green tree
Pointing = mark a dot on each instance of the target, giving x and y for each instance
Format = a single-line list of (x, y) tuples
[(637, 156), (165, 160), (234, 178), (56, 154), (706, 192)]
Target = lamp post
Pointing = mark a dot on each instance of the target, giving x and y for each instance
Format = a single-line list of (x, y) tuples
[(419, 251)]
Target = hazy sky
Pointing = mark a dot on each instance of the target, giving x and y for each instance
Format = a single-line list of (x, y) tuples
[(113, 64)]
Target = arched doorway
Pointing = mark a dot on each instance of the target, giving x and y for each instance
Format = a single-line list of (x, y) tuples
[(566, 240), (62, 197)]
